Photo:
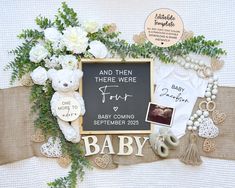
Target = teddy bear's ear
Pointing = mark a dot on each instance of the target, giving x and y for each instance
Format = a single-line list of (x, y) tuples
[(51, 73), (78, 74)]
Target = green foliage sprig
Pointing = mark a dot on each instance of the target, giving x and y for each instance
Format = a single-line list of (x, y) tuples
[(41, 95)]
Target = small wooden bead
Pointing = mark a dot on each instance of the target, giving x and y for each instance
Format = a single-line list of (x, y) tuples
[(192, 118), (196, 123), (190, 128), (208, 94), (208, 99), (206, 113), (214, 91), (190, 122), (202, 116), (199, 112), (213, 97)]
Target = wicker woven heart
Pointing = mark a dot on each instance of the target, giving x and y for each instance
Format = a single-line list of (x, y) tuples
[(187, 35), (103, 161), (38, 136), (218, 117), (208, 129), (64, 161), (216, 64), (208, 146)]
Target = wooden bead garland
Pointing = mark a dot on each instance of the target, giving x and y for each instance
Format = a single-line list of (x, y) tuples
[(204, 106), (191, 155), (203, 70)]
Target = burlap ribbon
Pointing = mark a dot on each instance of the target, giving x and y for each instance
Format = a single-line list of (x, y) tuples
[(17, 127)]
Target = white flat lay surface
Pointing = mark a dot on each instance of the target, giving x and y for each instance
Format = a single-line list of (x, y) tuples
[(214, 19)]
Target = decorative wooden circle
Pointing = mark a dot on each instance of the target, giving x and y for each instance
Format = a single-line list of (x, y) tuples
[(203, 105), (68, 109), (164, 27), (210, 106)]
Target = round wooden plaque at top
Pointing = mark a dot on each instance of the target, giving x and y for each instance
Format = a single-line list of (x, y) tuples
[(68, 109), (164, 27)]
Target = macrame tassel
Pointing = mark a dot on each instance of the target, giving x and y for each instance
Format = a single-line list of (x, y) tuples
[(191, 155)]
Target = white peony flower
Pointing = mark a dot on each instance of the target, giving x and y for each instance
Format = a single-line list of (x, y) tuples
[(98, 49), (68, 62), (52, 35), (90, 26), (39, 75), (75, 39), (53, 62), (38, 53)]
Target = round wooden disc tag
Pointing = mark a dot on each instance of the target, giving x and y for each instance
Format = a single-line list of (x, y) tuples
[(164, 27), (68, 109)]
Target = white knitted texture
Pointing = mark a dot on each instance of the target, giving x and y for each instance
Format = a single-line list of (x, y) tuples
[(52, 148), (214, 19), (208, 129)]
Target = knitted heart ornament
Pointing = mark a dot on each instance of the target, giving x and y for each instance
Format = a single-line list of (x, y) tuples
[(52, 148), (208, 129)]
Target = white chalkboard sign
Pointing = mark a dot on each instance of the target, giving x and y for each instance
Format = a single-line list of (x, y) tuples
[(116, 95)]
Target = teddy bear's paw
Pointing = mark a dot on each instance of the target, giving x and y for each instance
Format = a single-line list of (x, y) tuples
[(70, 134), (77, 139)]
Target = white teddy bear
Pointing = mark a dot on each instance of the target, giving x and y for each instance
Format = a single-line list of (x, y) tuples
[(65, 82)]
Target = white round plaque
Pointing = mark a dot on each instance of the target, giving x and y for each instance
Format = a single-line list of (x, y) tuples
[(68, 109), (164, 27)]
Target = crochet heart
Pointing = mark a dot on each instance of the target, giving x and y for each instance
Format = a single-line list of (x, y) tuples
[(208, 129), (103, 161), (52, 148), (218, 117)]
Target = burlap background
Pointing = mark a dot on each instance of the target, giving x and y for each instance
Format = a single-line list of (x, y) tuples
[(17, 126)]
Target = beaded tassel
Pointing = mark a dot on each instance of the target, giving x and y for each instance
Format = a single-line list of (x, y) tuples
[(191, 155)]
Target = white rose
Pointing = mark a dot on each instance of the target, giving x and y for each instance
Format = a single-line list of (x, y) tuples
[(75, 39), (52, 35), (98, 49), (38, 53), (68, 62), (90, 26), (53, 62), (39, 75)]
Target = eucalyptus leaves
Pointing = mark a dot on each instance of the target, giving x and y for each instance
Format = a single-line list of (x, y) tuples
[(58, 44)]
